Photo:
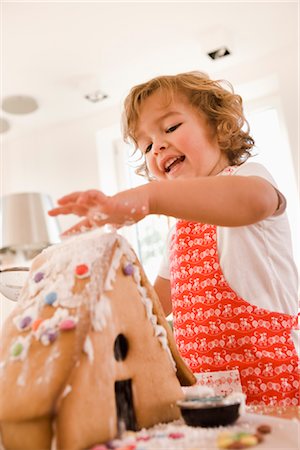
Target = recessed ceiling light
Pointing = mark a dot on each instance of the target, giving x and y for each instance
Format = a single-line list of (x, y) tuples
[(4, 125), (19, 104), (96, 96), (219, 53)]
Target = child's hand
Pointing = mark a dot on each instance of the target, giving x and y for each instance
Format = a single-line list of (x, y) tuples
[(124, 208)]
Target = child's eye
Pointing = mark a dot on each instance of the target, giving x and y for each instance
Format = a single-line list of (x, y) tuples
[(147, 149), (173, 128)]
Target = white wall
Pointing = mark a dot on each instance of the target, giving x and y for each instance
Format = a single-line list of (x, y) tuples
[(56, 160)]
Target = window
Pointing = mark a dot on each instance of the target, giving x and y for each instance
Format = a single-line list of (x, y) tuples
[(273, 151)]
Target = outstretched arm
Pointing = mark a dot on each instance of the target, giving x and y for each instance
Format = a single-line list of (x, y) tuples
[(225, 201)]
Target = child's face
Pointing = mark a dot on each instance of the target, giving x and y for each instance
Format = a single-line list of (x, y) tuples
[(177, 140)]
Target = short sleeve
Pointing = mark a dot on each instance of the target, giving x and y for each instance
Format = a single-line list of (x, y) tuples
[(258, 170)]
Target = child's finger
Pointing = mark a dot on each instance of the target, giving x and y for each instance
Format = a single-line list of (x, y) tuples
[(91, 197), (70, 198), (74, 208)]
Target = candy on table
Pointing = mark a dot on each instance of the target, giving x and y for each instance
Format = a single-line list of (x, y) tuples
[(177, 435), (230, 440), (263, 429)]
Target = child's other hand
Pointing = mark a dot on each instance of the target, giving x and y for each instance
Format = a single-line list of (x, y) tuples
[(98, 209)]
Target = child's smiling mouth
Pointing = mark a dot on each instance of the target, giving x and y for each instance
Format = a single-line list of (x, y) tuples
[(173, 162)]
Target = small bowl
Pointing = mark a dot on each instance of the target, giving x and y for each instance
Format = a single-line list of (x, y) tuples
[(213, 412)]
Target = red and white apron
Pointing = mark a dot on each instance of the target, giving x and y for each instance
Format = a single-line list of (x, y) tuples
[(216, 330)]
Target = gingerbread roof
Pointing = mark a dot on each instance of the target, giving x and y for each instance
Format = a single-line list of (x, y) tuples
[(64, 307)]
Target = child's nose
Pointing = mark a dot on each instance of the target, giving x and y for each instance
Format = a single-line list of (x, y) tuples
[(159, 146)]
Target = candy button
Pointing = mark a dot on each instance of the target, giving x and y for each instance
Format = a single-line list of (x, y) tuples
[(143, 438), (82, 271), (38, 277), (48, 337), (36, 324), (50, 298), (128, 269), (17, 349), (99, 447), (52, 335), (25, 322), (176, 435), (126, 447), (67, 324)]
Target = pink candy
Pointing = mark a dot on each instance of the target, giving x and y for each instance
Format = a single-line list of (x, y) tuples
[(176, 435), (99, 447), (67, 324)]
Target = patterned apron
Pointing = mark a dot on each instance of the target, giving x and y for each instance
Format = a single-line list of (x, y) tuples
[(216, 330)]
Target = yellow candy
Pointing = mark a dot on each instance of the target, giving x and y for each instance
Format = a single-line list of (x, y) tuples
[(229, 440), (224, 440), (249, 440)]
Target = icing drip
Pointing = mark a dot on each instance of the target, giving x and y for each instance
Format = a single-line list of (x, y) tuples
[(67, 390), (101, 313), (89, 349)]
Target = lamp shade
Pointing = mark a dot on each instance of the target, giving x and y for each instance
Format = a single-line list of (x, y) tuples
[(26, 225)]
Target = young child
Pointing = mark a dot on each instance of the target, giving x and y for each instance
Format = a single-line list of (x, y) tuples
[(228, 277)]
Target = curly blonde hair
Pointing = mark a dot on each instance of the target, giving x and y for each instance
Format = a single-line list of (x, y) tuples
[(222, 107)]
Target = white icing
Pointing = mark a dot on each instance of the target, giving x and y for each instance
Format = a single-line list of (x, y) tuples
[(111, 274), (2, 367), (89, 349), (102, 314), (23, 375), (67, 390), (53, 355), (52, 323), (59, 269)]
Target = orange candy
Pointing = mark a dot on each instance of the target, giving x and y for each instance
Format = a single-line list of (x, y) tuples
[(36, 324)]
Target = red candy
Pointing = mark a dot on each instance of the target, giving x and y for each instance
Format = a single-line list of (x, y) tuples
[(82, 271), (176, 435), (143, 438)]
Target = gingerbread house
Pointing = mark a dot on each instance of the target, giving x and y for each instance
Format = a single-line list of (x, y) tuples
[(87, 352)]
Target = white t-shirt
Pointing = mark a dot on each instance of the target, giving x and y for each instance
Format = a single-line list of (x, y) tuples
[(256, 260)]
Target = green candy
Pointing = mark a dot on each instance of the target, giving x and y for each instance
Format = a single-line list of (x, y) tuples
[(17, 349)]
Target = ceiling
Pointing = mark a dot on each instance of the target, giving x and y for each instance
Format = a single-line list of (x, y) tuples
[(58, 52)]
